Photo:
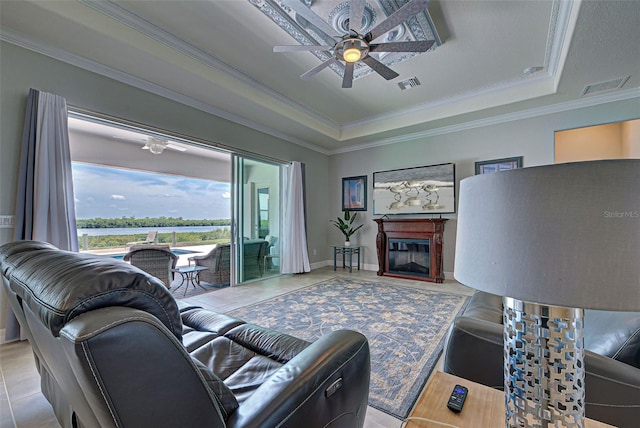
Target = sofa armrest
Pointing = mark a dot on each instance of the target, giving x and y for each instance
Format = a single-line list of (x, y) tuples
[(478, 341), (326, 382), (474, 351), (612, 390)]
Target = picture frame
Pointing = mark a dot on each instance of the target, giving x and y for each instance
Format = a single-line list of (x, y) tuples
[(420, 190), (495, 165), (354, 193)]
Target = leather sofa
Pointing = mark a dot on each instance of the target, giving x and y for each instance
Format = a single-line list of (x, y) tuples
[(114, 349), (474, 351)]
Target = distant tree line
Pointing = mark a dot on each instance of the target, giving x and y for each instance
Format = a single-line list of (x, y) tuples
[(108, 223), (182, 239)]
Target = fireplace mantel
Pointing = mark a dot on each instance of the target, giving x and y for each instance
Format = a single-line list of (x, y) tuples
[(423, 233)]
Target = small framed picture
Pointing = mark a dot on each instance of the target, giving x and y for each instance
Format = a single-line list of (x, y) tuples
[(354, 193), (496, 165)]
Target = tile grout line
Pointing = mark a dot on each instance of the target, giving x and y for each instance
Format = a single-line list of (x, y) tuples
[(6, 391)]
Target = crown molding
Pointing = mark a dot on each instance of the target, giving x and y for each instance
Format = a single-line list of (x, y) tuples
[(561, 28), (590, 101), (132, 20), (562, 24), (494, 96), (92, 66), (558, 47), (22, 41)]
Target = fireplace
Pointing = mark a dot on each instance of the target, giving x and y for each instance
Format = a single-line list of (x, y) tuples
[(410, 248), (409, 256)]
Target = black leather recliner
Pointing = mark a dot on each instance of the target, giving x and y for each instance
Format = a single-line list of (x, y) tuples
[(474, 351), (114, 349)]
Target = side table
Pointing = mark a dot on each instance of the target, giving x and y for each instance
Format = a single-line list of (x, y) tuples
[(346, 251), (189, 275), (484, 406)]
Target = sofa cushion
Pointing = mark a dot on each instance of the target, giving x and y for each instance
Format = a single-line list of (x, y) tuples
[(203, 320), (485, 306), (225, 398), (275, 345), (613, 334)]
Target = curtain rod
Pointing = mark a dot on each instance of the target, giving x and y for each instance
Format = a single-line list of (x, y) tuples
[(202, 143)]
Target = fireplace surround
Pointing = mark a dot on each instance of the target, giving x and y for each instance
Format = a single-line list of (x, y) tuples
[(410, 248)]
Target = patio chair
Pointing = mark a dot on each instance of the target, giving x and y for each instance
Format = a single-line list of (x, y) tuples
[(152, 238), (156, 260), (218, 262)]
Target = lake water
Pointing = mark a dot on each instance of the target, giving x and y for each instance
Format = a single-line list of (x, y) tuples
[(145, 230)]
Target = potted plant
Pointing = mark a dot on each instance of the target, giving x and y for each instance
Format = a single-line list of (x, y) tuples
[(345, 225)]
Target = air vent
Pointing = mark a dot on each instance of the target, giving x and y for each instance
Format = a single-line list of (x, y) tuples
[(409, 83), (605, 86)]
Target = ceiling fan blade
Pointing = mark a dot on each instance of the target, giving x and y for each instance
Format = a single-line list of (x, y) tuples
[(380, 68), (299, 8), (316, 70), (417, 46), (347, 79), (398, 17), (298, 48), (356, 10)]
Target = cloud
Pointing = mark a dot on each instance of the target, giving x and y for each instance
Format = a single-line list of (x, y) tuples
[(99, 191)]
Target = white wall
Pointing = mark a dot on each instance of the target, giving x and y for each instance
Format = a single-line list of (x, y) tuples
[(21, 69), (531, 138), (591, 143)]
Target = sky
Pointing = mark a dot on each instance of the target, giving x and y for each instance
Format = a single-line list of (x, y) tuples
[(114, 193)]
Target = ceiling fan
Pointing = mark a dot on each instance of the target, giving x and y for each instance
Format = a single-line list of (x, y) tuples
[(157, 145), (353, 46)]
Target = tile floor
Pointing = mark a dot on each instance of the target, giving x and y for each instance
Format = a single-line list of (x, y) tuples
[(23, 406)]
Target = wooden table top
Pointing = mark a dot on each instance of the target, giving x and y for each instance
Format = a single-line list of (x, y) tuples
[(483, 408)]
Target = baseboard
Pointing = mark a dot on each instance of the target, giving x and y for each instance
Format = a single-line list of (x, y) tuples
[(329, 263), (367, 266), (3, 331)]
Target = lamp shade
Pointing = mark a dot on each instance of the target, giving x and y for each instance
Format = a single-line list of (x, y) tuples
[(563, 235)]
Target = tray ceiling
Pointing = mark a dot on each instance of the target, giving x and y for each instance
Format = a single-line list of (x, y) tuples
[(218, 56)]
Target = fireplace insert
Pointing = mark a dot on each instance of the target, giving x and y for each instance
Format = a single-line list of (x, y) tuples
[(409, 256)]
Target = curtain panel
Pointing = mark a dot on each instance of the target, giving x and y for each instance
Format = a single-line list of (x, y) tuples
[(295, 255), (45, 208), (44, 205)]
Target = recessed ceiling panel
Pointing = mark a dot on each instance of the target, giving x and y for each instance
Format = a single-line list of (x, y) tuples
[(336, 14)]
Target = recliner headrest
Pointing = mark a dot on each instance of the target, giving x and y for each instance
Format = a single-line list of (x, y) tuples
[(59, 285)]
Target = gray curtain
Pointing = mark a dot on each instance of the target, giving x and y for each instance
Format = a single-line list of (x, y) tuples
[(44, 204), (295, 255)]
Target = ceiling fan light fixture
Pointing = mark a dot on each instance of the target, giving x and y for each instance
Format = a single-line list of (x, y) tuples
[(351, 49), (156, 145), (352, 54), (156, 148)]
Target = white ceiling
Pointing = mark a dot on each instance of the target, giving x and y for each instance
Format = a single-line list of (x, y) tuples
[(218, 55)]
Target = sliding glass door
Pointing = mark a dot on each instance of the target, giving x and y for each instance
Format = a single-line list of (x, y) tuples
[(256, 219)]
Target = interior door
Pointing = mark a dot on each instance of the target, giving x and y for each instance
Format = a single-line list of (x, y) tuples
[(256, 219)]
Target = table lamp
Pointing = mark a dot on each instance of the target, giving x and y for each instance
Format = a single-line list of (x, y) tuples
[(553, 240)]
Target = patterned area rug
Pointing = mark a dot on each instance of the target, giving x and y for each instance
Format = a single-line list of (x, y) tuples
[(405, 327)]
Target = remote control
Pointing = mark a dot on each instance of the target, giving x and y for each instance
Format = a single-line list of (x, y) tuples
[(456, 400)]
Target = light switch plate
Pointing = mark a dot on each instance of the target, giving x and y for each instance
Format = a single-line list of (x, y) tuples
[(6, 221)]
